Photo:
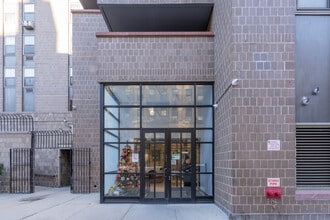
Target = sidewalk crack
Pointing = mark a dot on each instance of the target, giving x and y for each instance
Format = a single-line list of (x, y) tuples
[(129, 208)]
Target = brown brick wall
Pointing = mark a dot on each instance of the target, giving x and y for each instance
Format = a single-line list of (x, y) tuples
[(51, 56), (47, 167), (263, 105), (86, 87), (223, 73), (155, 58), (126, 59), (255, 42)]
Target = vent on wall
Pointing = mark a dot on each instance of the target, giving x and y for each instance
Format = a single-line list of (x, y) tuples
[(313, 155)]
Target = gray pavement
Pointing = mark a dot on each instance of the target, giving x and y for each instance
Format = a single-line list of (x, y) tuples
[(59, 203)]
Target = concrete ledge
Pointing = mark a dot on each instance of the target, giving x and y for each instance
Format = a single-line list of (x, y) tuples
[(154, 34), (85, 11), (313, 194)]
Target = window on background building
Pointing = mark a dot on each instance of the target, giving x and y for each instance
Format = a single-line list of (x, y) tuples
[(9, 90), (29, 8), (28, 57), (70, 99), (28, 90), (9, 52), (9, 74), (313, 3), (28, 60), (28, 45), (28, 18)]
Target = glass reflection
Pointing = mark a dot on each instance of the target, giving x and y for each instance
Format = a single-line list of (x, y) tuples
[(111, 135), (204, 95), (204, 153), (204, 117), (122, 95), (168, 117), (204, 183), (122, 117), (204, 135), (168, 95)]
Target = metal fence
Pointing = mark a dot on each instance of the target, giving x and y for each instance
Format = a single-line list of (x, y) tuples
[(81, 170), (52, 139), (15, 123), (21, 170)]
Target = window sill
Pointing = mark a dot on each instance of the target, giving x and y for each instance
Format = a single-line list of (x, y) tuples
[(307, 194)]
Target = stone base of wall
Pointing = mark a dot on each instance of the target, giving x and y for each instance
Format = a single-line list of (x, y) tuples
[(273, 216), (279, 216), (4, 183), (46, 180)]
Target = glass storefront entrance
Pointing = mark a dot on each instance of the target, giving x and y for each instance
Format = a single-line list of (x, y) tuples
[(168, 165), (157, 143)]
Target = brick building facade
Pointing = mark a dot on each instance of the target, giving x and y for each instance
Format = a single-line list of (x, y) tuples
[(255, 42)]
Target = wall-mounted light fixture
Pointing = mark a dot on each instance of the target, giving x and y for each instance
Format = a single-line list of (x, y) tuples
[(234, 82), (305, 100), (316, 91)]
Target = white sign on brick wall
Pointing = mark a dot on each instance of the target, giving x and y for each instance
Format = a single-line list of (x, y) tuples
[(273, 145), (273, 182)]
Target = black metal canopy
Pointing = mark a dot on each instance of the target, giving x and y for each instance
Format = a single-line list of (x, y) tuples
[(156, 17)]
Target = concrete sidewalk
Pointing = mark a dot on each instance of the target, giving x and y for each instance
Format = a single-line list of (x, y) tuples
[(59, 203)]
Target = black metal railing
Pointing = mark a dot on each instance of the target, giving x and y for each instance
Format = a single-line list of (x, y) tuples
[(52, 139), (21, 170), (14, 122), (81, 168)]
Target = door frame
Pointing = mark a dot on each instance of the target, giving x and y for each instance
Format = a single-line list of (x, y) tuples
[(168, 198)]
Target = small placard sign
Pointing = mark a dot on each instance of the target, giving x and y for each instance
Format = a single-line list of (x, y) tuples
[(273, 182), (273, 145), (135, 158)]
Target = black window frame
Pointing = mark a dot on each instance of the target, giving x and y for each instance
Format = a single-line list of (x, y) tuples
[(106, 199)]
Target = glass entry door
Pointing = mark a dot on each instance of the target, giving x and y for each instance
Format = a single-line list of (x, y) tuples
[(168, 166)]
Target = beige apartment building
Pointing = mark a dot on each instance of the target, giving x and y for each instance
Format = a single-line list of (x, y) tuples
[(164, 101)]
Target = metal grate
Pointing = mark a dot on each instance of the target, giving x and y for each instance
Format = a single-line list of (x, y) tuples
[(52, 139), (81, 170), (313, 155), (21, 170), (15, 123)]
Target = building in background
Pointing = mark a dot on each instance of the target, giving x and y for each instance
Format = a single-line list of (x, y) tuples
[(36, 80), (149, 91)]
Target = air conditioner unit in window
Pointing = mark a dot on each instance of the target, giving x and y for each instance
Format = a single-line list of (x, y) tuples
[(29, 25)]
